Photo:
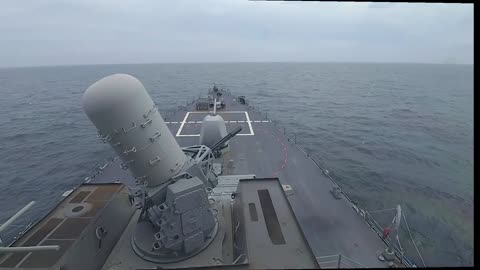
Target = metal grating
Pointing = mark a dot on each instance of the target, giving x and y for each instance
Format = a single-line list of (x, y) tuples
[(103, 193), (70, 229), (42, 232), (79, 197), (13, 260), (36, 238)]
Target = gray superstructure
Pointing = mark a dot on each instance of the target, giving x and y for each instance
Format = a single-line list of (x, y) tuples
[(255, 200)]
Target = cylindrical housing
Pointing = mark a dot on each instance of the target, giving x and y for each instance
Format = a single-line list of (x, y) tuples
[(213, 129), (126, 117)]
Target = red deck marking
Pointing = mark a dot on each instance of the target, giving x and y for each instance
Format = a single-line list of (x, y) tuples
[(285, 161)]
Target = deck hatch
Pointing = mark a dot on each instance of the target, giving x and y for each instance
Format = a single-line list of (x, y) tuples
[(270, 216)]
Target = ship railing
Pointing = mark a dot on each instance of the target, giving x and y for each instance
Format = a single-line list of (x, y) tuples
[(398, 251), (12, 232), (338, 261), (314, 160), (364, 214), (9, 223), (345, 262), (368, 218)]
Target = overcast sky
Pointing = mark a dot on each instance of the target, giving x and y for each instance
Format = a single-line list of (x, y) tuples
[(55, 32)]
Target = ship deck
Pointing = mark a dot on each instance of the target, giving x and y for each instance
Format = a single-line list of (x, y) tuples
[(331, 226)]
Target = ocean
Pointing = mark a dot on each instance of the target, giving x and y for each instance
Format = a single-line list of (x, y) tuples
[(388, 133)]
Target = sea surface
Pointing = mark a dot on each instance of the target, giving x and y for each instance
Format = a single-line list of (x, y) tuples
[(388, 133)]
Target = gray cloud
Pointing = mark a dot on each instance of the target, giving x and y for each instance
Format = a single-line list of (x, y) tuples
[(54, 32)]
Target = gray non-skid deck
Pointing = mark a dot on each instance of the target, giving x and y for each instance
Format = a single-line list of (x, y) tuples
[(331, 226)]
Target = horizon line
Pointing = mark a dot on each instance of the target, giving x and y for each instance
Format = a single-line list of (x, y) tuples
[(232, 62)]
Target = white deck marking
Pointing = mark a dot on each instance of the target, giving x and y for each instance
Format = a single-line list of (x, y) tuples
[(238, 121), (219, 112), (198, 135), (189, 135), (249, 123), (247, 116), (183, 123)]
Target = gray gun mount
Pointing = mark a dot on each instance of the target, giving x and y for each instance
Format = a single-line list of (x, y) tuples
[(225, 139), (183, 223), (176, 220)]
